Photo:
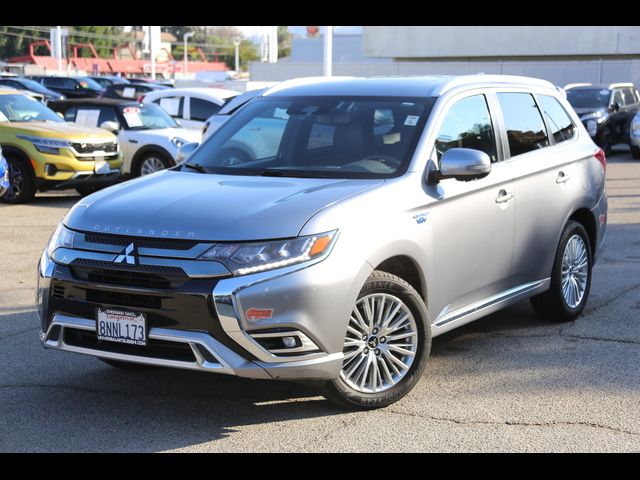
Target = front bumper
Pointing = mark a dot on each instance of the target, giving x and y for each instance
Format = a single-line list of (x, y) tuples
[(201, 323)]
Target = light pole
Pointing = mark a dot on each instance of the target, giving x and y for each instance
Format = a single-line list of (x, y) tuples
[(328, 51), (236, 43), (187, 36)]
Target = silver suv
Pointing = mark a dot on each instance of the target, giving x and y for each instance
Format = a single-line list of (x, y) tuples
[(330, 230)]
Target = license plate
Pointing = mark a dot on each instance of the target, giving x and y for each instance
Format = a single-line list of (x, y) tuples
[(102, 166), (122, 326)]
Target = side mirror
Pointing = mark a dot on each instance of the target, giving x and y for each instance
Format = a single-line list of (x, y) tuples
[(463, 164), (615, 106), (185, 151), (113, 127)]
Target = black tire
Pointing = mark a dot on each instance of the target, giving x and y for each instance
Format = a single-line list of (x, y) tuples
[(551, 305), (339, 392), (164, 159), (127, 366), (20, 179), (605, 141), (635, 152)]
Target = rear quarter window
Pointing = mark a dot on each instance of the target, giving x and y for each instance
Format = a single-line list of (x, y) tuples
[(523, 123), (558, 120)]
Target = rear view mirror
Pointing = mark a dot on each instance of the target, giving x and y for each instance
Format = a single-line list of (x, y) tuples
[(185, 151), (463, 164)]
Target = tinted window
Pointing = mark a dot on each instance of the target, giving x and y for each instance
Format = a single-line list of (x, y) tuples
[(70, 114), (467, 125), (588, 97), (524, 125), (628, 96), (558, 120), (174, 106), (93, 116), (202, 109)]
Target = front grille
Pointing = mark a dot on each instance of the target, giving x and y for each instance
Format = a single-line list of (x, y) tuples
[(168, 244), (154, 349), (92, 147), (144, 276), (58, 291), (123, 299)]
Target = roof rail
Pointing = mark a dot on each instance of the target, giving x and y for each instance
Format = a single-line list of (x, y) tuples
[(302, 81), (499, 79), (621, 84), (573, 85)]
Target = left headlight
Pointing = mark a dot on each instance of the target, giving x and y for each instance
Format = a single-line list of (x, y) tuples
[(251, 257), (62, 237), (51, 146), (178, 142)]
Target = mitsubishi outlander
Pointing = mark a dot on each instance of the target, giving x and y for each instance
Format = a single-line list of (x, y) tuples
[(330, 229)]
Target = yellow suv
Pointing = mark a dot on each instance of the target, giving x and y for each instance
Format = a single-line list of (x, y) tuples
[(45, 152)]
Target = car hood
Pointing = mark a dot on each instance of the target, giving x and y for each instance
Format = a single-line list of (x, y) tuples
[(191, 205), (187, 134), (67, 131)]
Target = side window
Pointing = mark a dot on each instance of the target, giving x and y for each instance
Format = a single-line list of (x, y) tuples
[(617, 97), (70, 114), (70, 84), (525, 128), (91, 116), (628, 96), (558, 120), (172, 105), (54, 82), (467, 125), (202, 109)]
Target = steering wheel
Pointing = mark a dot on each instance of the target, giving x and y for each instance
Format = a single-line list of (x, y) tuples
[(388, 160)]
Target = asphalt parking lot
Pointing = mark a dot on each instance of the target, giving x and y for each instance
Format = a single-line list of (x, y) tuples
[(509, 382)]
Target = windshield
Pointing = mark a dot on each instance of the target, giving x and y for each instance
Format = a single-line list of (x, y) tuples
[(86, 82), (21, 108), (337, 137), (141, 117), (589, 98)]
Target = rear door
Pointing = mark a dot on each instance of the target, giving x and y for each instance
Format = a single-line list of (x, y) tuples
[(545, 167)]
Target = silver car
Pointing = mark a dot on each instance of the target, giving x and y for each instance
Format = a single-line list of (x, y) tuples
[(375, 215)]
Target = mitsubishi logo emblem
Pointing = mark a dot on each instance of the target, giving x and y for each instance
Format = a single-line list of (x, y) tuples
[(127, 255)]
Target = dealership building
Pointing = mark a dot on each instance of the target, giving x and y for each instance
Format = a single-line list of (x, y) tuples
[(560, 54)]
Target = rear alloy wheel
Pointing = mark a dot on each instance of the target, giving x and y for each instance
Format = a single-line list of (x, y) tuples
[(386, 345), (21, 187), (152, 163), (570, 278), (605, 141)]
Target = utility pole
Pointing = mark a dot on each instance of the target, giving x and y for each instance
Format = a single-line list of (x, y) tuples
[(187, 36), (236, 43), (328, 51), (152, 48), (59, 49)]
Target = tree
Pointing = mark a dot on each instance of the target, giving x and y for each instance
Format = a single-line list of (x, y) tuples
[(284, 42)]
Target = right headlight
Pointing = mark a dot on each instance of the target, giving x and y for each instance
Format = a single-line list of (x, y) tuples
[(251, 257), (635, 126), (62, 237), (51, 146)]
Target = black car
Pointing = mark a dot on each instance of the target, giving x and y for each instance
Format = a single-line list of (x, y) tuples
[(606, 110), (129, 91), (108, 80), (21, 83), (72, 87), (146, 81)]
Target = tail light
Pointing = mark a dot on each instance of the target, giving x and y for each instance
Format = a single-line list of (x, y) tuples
[(140, 98), (601, 157)]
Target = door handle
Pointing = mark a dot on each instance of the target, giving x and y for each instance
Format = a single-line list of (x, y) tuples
[(562, 177), (503, 196), (133, 141)]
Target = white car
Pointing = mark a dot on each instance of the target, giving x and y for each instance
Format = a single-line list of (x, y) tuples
[(191, 107), (149, 138)]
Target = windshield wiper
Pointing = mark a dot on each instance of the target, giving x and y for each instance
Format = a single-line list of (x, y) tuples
[(276, 172), (195, 166)]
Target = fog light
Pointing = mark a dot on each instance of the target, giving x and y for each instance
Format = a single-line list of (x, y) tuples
[(50, 169), (289, 342)]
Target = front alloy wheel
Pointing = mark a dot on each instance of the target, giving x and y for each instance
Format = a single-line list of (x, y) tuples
[(151, 164), (386, 345)]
